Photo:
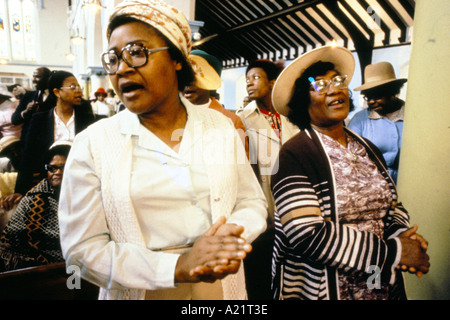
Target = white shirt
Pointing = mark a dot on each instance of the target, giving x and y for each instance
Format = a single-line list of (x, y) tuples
[(176, 211), (63, 131), (173, 195), (102, 108)]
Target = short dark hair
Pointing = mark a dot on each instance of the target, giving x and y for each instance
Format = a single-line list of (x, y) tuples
[(300, 101), (186, 75), (271, 68)]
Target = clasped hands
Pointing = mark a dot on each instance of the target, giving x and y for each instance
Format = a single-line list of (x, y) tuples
[(414, 258), (214, 255)]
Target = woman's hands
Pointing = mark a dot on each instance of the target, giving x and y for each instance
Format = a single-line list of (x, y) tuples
[(217, 253), (414, 257)]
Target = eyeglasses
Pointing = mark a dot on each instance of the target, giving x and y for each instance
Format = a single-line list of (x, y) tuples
[(52, 168), (322, 85), (73, 87), (134, 55)]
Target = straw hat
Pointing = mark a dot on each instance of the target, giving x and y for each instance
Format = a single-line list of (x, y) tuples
[(206, 77), (342, 58), (378, 74), (7, 141)]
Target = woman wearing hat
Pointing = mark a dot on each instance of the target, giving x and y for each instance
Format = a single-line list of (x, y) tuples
[(101, 108), (341, 232), (153, 203), (382, 121)]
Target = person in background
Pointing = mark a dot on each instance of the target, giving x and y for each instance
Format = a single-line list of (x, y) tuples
[(201, 92), (112, 100), (153, 203), (11, 148), (7, 108), (382, 121), (338, 217), (33, 101), (101, 108), (267, 130), (31, 237), (245, 101), (69, 115), (17, 91)]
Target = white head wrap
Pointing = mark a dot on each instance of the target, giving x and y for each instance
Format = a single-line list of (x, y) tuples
[(168, 20)]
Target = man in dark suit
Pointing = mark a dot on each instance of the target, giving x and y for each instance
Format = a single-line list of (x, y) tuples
[(33, 101)]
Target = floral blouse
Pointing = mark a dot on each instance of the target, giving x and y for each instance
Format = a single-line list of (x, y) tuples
[(363, 198)]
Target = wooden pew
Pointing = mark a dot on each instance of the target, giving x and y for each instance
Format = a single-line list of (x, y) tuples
[(47, 282)]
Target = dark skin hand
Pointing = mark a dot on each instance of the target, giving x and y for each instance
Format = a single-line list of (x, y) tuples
[(216, 254), (414, 257), (8, 202)]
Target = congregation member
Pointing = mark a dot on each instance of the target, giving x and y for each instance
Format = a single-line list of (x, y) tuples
[(382, 121), (69, 115), (338, 217), (266, 130), (202, 91), (149, 209), (31, 237), (33, 101)]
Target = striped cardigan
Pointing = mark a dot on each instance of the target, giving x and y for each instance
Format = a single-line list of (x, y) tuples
[(309, 250)]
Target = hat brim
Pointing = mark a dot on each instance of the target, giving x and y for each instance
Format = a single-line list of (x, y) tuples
[(282, 92), (206, 77), (374, 84)]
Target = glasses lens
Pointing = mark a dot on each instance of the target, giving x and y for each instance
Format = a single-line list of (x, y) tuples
[(340, 82), (110, 62), (75, 87), (135, 56), (52, 168), (321, 85)]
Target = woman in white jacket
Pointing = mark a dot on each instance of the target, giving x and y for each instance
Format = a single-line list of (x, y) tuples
[(158, 201)]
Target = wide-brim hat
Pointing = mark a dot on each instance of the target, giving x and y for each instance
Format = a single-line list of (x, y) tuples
[(342, 58), (6, 142), (206, 77), (378, 74)]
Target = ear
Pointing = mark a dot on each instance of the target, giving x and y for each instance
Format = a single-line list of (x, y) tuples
[(178, 66), (55, 92), (272, 83)]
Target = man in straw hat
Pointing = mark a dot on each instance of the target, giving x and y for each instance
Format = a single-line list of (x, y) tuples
[(382, 121)]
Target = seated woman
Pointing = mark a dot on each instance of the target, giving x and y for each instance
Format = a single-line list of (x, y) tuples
[(340, 230), (156, 202), (31, 237)]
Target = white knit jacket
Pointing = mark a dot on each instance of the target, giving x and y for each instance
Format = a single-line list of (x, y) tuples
[(111, 148)]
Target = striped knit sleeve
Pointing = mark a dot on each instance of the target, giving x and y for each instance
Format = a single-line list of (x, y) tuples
[(317, 237)]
